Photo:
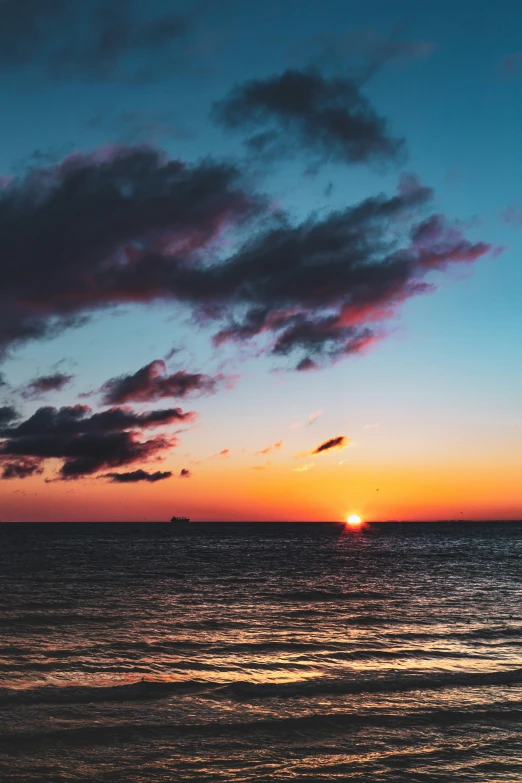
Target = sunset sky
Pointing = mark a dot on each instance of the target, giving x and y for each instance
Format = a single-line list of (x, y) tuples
[(261, 261)]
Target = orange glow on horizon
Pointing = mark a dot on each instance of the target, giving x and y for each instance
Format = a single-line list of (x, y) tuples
[(232, 491)]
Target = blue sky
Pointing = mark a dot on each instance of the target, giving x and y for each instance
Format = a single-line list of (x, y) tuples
[(446, 382)]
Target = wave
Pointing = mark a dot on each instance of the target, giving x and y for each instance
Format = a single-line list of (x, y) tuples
[(493, 632), (35, 620), (243, 690), (140, 690), (309, 596), (325, 723)]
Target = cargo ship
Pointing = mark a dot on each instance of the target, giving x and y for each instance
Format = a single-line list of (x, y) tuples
[(180, 519)]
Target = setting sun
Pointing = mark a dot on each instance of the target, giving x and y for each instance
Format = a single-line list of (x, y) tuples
[(354, 520)]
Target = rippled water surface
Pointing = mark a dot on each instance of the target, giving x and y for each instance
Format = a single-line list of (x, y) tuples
[(261, 653)]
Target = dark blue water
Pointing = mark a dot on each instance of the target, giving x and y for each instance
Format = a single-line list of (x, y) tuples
[(261, 653)]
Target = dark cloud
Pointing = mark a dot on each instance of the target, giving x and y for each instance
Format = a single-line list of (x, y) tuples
[(44, 384), (326, 116), (95, 40), (116, 226), (184, 473), (325, 287), (7, 415), (340, 442), (86, 442), (75, 419), (128, 226), (137, 475), (21, 469), (361, 50), (152, 383)]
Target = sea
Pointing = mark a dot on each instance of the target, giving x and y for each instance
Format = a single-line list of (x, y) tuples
[(261, 652)]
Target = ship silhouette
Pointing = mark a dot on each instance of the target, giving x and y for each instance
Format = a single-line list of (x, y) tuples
[(180, 519)]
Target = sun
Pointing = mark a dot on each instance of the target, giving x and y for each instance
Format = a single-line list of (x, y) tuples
[(354, 520)]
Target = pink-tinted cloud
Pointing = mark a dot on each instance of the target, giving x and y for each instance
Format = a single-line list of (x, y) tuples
[(315, 291), (43, 384), (224, 454), (273, 447), (83, 441), (152, 383), (266, 466), (21, 468), (314, 416)]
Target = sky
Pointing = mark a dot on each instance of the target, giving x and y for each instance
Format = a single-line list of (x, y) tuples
[(260, 261)]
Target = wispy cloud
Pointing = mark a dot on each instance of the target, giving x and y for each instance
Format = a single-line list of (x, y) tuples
[(512, 215), (273, 447), (151, 383), (43, 384), (311, 418), (266, 466), (224, 454), (97, 41), (338, 443), (303, 468)]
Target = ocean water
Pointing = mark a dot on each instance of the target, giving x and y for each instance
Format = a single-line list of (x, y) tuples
[(261, 653)]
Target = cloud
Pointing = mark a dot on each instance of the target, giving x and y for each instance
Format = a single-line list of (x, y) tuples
[(328, 117), (371, 426), (43, 384), (151, 383), (134, 219), (137, 475), (324, 289), (361, 50), (80, 419), (224, 454), (266, 466), (8, 414), (21, 469), (185, 473), (340, 442), (123, 226), (303, 468), (139, 127), (512, 65), (85, 442), (512, 215), (97, 40), (311, 418), (273, 447)]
